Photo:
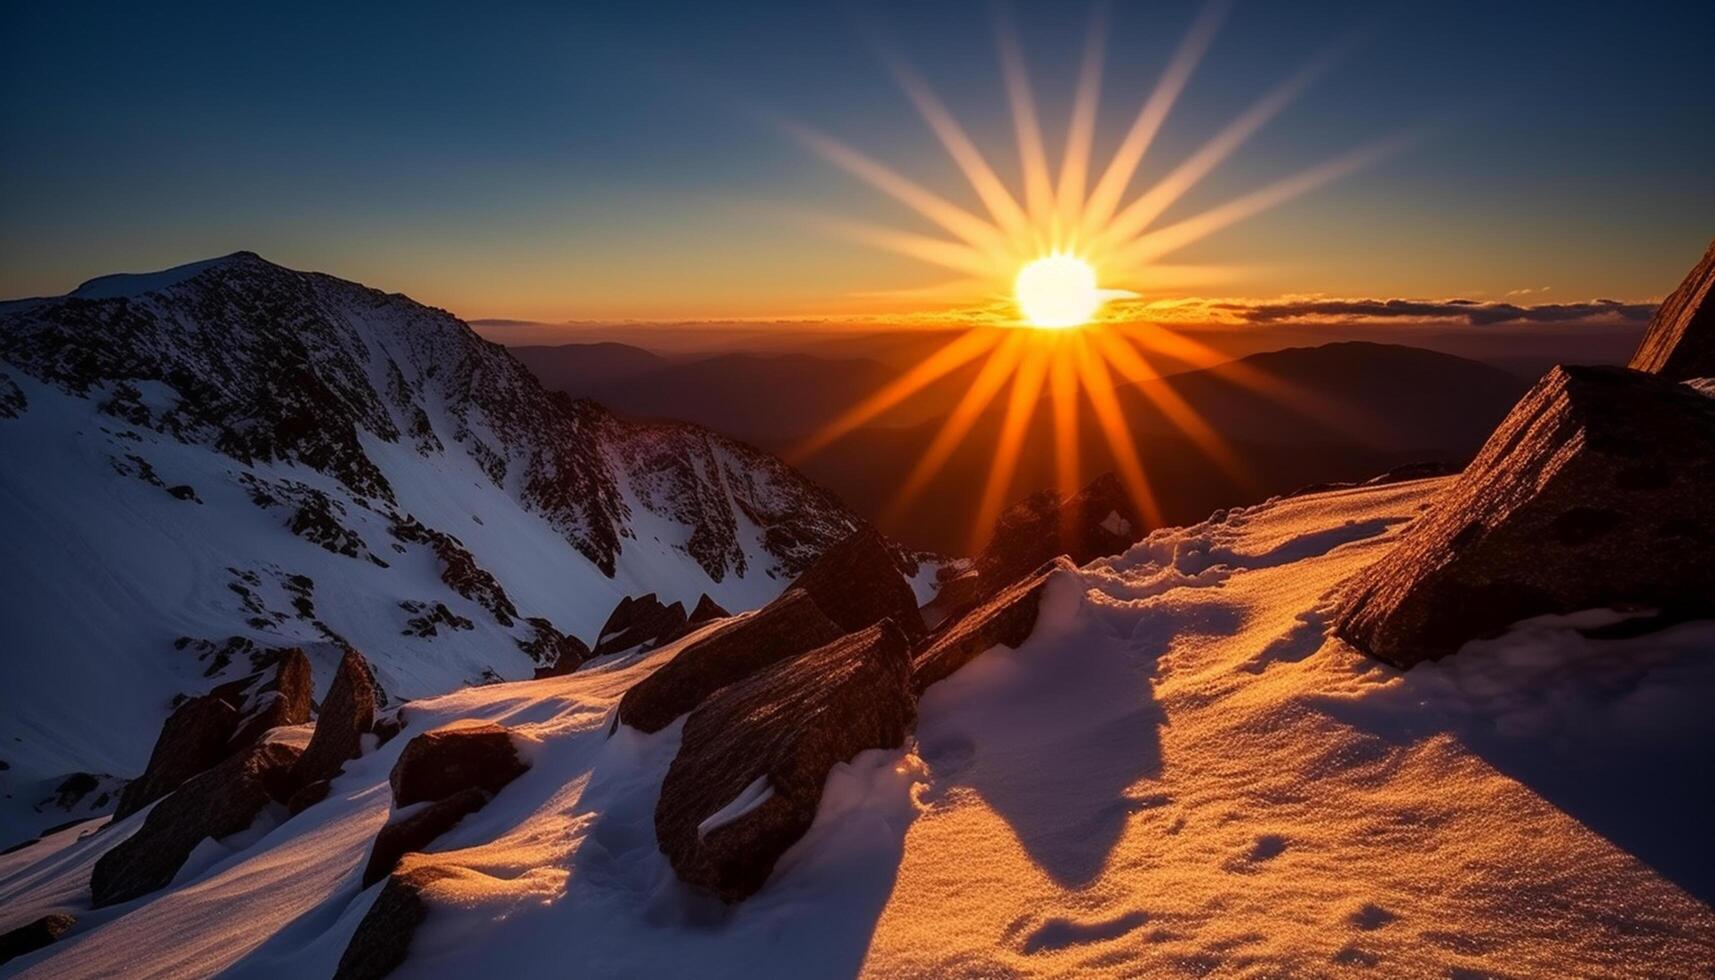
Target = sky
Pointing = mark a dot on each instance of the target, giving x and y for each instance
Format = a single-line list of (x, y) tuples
[(637, 160)]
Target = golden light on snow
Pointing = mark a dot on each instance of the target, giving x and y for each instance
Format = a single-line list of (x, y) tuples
[(1054, 252)]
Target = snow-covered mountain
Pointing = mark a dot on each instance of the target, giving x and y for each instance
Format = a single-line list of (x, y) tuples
[(1178, 772), (232, 455)]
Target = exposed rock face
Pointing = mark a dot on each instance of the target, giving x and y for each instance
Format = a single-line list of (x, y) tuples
[(786, 627), (1680, 342), (857, 583), (640, 622), (1594, 492), (282, 700), (217, 803), (417, 830), (437, 764), (559, 653), (708, 610), (346, 714), (28, 938), (1007, 619), (1100, 519), (384, 936), (193, 738), (750, 770)]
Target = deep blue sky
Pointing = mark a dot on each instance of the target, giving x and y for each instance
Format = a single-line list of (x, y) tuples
[(583, 160)]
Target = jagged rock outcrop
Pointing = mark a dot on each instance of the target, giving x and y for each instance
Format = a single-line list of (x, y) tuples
[(1006, 619), (1099, 520), (347, 713), (193, 738), (417, 830), (707, 611), (641, 622), (283, 699), (786, 627), (1680, 342), (213, 804), (558, 652), (439, 763), (383, 936), (858, 583), (755, 756), (1594, 492), (32, 936)]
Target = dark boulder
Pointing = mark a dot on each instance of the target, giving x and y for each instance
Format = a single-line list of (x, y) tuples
[(1680, 342), (383, 936), (216, 803), (641, 622), (1099, 520), (755, 756), (857, 583), (1594, 492), (786, 627), (1007, 620), (193, 738), (346, 715), (283, 699), (707, 611), (437, 764), (559, 653), (416, 830), (28, 938)]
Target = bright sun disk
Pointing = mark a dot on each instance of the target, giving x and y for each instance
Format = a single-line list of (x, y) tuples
[(1058, 291)]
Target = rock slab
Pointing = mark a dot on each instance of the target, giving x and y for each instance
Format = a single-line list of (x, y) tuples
[(437, 764), (1007, 620), (1099, 520), (1680, 342), (857, 583), (347, 714)]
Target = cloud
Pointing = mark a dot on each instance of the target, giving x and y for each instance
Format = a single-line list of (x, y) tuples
[(1479, 313)]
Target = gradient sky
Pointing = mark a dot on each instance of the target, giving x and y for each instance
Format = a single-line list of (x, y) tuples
[(622, 160)]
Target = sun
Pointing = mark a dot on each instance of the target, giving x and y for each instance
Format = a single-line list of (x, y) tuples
[(1058, 291)]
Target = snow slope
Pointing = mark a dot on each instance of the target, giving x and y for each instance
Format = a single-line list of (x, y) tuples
[(1177, 774), (236, 450)]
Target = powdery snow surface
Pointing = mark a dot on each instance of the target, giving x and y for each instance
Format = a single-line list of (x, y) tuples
[(1177, 774)]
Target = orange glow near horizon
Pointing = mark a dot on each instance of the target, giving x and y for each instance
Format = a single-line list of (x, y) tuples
[(1058, 248)]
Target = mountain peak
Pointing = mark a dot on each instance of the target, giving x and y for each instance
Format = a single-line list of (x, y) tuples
[(128, 284)]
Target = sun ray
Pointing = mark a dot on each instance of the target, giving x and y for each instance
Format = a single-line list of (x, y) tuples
[(965, 348), (1081, 131), (956, 256), (987, 384), (1135, 367), (1020, 409), (1111, 420), (1063, 390), (1120, 169), (1032, 152)]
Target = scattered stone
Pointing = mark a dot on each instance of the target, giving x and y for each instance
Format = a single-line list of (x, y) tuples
[(346, 714), (1680, 342), (437, 764), (786, 627), (389, 725), (707, 611), (857, 583), (383, 937), (217, 803), (1594, 492), (184, 491), (755, 756), (1005, 620), (35, 935), (415, 831), (1099, 520), (641, 622), (193, 738)]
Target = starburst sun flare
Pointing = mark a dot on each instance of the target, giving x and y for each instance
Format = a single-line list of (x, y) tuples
[(1056, 251)]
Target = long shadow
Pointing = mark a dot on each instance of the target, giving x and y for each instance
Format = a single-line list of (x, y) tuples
[(1615, 733)]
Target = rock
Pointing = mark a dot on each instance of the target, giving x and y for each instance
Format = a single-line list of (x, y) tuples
[(641, 622), (35, 935), (1006, 620), (1595, 491), (1099, 520), (559, 653), (347, 713), (956, 596), (383, 937), (708, 610), (857, 583), (786, 627), (283, 700), (306, 796), (437, 764), (755, 756), (216, 803), (193, 738), (415, 831), (1680, 342), (388, 726)]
